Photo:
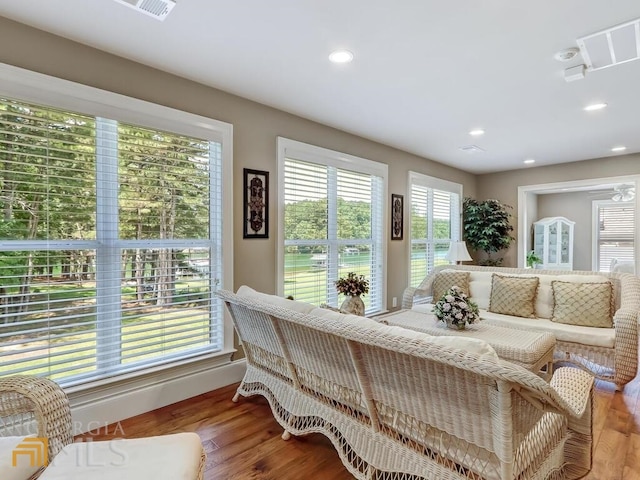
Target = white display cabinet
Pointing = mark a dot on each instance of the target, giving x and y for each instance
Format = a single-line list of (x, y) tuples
[(553, 243)]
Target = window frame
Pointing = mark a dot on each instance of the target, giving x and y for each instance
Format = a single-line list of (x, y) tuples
[(596, 206), (62, 94), (434, 183), (287, 148)]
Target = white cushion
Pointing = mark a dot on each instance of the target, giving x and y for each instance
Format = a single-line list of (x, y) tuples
[(250, 293), (167, 457), (597, 337), (480, 288), (423, 307), (23, 468), (472, 345)]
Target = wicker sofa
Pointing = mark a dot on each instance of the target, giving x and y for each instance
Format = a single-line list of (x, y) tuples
[(610, 354), (403, 405)]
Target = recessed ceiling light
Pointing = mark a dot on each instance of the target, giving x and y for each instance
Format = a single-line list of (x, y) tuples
[(529, 160), (476, 132), (341, 56), (595, 106), (618, 149)]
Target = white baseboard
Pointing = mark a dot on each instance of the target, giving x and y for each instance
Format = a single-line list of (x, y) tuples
[(94, 408)]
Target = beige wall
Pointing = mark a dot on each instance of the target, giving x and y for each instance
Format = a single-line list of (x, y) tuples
[(255, 130), (504, 185)]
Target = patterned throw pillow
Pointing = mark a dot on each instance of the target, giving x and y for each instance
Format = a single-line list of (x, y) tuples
[(513, 295), (445, 280), (586, 304)]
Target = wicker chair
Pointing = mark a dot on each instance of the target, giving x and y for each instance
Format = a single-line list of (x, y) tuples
[(37, 406)]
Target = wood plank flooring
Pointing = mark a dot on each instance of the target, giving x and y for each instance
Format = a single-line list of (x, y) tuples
[(243, 441)]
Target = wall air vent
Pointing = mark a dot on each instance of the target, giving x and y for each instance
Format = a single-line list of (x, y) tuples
[(158, 9), (612, 46)]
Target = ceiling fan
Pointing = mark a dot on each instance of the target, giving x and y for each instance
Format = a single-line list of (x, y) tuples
[(620, 193), (623, 193)]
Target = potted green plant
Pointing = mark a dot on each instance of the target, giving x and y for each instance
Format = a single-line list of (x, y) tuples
[(533, 259), (487, 228)]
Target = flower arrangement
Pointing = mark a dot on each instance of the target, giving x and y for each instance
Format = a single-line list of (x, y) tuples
[(455, 308), (352, 285)]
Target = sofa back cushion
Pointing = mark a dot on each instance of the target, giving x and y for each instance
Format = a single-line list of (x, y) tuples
[(586, 304), (480, 289), (446, 279), (513, 295)]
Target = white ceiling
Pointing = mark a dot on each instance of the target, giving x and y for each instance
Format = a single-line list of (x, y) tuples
[(425, 72)]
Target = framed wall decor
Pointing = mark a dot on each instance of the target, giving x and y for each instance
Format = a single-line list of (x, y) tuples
[(255, 204), (397, 216)]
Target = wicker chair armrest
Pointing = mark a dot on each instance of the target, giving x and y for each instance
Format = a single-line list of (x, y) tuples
[(414, 296), (575, 387), (625, 322)]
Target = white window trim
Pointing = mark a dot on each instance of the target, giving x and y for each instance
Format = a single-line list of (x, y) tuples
[(595, 232), (416, 178), (42, 89), (287, 148)]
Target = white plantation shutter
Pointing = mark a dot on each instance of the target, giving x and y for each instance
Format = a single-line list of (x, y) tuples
[(614, 233), (333, 224), (434, 209), (110, 245)]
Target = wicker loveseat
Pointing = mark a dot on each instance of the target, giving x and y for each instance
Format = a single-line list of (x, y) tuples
[(610, 354), (402, 405)]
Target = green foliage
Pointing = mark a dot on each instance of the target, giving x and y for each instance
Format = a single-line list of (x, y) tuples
[(419, 226), (486, 226), (307, 219), (533, 259)]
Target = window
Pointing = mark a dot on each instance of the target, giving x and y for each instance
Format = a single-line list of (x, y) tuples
[(110, 239), (333, 211), (434, 223), (613, 234)]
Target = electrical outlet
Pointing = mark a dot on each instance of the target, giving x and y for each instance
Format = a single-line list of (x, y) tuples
[(394, 302)]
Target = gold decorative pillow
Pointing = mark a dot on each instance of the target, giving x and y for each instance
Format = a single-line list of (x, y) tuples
[(513, 295), (445, 280), (586, 304)]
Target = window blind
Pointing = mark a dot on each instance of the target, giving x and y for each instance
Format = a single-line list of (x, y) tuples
[(110, 245), (615, 234), (435, 223), (333, 225)]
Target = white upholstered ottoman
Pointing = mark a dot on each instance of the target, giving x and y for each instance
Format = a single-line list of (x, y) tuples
[(178, 456)]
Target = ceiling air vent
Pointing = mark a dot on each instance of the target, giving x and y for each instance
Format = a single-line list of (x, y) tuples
[(612, 46), (158, 9), (471, 149)]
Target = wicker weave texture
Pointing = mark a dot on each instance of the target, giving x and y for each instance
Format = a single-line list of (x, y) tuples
[(398, 408), (36, 406), (618, 364)]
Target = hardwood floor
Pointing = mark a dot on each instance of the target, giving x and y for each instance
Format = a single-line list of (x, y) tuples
[(243, 441)]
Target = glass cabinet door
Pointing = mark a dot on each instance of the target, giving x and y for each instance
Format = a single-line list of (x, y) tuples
[(564, 243), (553, 243)]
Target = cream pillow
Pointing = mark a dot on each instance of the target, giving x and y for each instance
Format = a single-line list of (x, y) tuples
[(23, 468), (585, 304), (444, 280), (513, 295)]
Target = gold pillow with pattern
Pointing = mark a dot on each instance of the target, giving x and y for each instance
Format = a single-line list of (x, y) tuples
[(513, 295), (586, 304), (445, 280)]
